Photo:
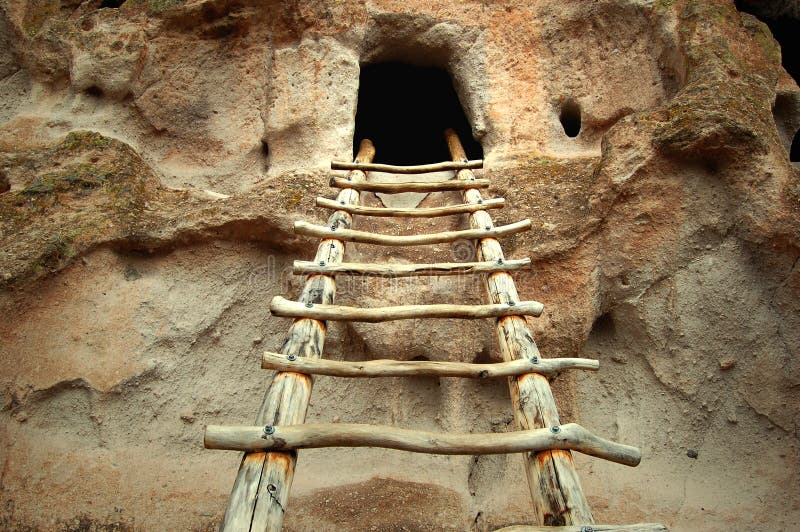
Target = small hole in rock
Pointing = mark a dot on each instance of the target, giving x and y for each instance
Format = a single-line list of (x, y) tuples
[(711, 166), (603, 328), (794, 153), (111, 4), (94, 91), (264, 148), (570, 117), (5, 184)]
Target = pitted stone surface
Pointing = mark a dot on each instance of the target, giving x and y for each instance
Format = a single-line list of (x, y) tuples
[(153, 158)]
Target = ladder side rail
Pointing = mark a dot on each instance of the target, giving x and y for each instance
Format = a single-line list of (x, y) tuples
[(558, 498), (261, 489)]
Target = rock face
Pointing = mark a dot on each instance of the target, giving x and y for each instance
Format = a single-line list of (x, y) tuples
[(153, 157)]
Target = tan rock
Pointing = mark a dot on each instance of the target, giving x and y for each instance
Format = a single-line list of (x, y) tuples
[(156, 155)]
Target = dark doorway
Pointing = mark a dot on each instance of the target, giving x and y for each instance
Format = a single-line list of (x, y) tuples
[(783, 19), (404, 110)]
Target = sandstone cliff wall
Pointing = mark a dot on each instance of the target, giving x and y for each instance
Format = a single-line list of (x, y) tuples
[(153, 157)]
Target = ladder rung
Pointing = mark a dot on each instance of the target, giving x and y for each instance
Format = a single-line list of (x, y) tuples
[(425, 212), (364, 237), (412, 186), (282, 307), (418, 368), (640, 527), (408, 270), (419, 169), (288, 437)]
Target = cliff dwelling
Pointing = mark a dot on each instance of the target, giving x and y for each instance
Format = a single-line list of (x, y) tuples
[(342, 265)]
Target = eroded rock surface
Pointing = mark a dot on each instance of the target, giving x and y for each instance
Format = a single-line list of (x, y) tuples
[(154, 156)]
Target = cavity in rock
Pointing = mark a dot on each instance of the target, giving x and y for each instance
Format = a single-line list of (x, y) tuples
[(404, 110), (570, 117)]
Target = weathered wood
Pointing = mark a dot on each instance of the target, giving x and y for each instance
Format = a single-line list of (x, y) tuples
[(553, 481), (419, 368), (418, 169), (418, 212), (640, 527), (408, 270), (261, 488), (282, 307), (364, 237), (412, 186), (310, 436)]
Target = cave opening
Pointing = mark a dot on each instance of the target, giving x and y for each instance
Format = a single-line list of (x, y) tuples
[(111, 4), (94, 91), (603, 327), (794, 152), (404, 109), (570, 117)]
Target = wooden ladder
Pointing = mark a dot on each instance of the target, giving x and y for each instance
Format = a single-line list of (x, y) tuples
[(259, 496)]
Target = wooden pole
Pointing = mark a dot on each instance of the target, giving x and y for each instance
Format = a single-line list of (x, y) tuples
[(422, 368), (261, 488), (641, 527), (418, 169), (415, 186), (409, 270), (411, 212), (365, 237), (280, 306), (313, 436), (554, 484)]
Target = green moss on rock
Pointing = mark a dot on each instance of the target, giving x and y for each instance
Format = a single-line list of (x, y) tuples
[(724, 111), (82, 141), (73, 178), (82, 191), (37, 12)]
